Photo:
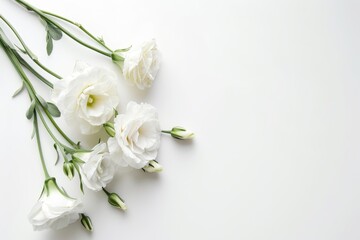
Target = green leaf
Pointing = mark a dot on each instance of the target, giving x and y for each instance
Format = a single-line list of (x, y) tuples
[(123, 50), (33, 132), (17, 92), (53, 110), (101, 39), (57, 154), (80, 178), (54, 31), (42, 101), (30, 111), (49, 44), (116, 112)]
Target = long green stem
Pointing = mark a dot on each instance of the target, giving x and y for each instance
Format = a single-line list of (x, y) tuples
[(45, 17), (36, 126), (32, 70), (81, 27), (32, 93), (67, 149), (73, 144), (27, 49)]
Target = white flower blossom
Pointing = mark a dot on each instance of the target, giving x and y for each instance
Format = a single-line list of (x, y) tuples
[(141, 64), (87, 98), (54, 209), (137, 136), (98, 168)]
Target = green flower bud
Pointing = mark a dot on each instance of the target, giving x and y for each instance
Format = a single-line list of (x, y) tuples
[(181, 133), (69, 169), (109, 128), (86, 222), (153, 167), (116, 201)]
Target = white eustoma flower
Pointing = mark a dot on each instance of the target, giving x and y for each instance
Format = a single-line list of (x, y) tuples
[(141, 64), (87, 98), (98, 168), (137, 136), (54, 209)]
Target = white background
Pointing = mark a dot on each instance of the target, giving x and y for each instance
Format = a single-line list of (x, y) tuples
[(271, 89)]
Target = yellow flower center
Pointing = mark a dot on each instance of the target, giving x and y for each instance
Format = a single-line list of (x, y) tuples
[(90, 101)]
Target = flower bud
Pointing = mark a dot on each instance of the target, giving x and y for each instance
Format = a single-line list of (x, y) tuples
[(181, 133), (153, 167), (69, 169), (109, 128), (86, 222), (116, 201)]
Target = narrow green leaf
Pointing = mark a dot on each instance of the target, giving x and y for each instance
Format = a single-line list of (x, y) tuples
[(80, 179), (17, 92), (57, 154), (53, 110), (123, 50), (54, 32), (33, 132), (30, 111), (49, 44), (101, 39), (116, 112)]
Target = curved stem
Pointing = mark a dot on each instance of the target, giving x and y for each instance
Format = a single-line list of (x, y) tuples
[(27, 50), (41, 14), (106, 191), (80, 27), (36, 126)]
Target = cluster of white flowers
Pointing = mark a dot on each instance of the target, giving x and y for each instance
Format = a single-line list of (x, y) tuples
[(89, 102)]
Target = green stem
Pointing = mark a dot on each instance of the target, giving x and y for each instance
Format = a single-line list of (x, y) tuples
[(36, 126), (80, 27), (47, 69), (45, 17), (32, 70), (106, 192), (32, 93), (64, 147), (72, 143), (27, 49), (49, 130), (166, 131)]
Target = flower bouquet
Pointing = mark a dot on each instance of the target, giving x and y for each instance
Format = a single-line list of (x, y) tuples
[(88, 101)]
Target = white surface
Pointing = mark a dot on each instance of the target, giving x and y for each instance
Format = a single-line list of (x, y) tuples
[(271, 89)]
